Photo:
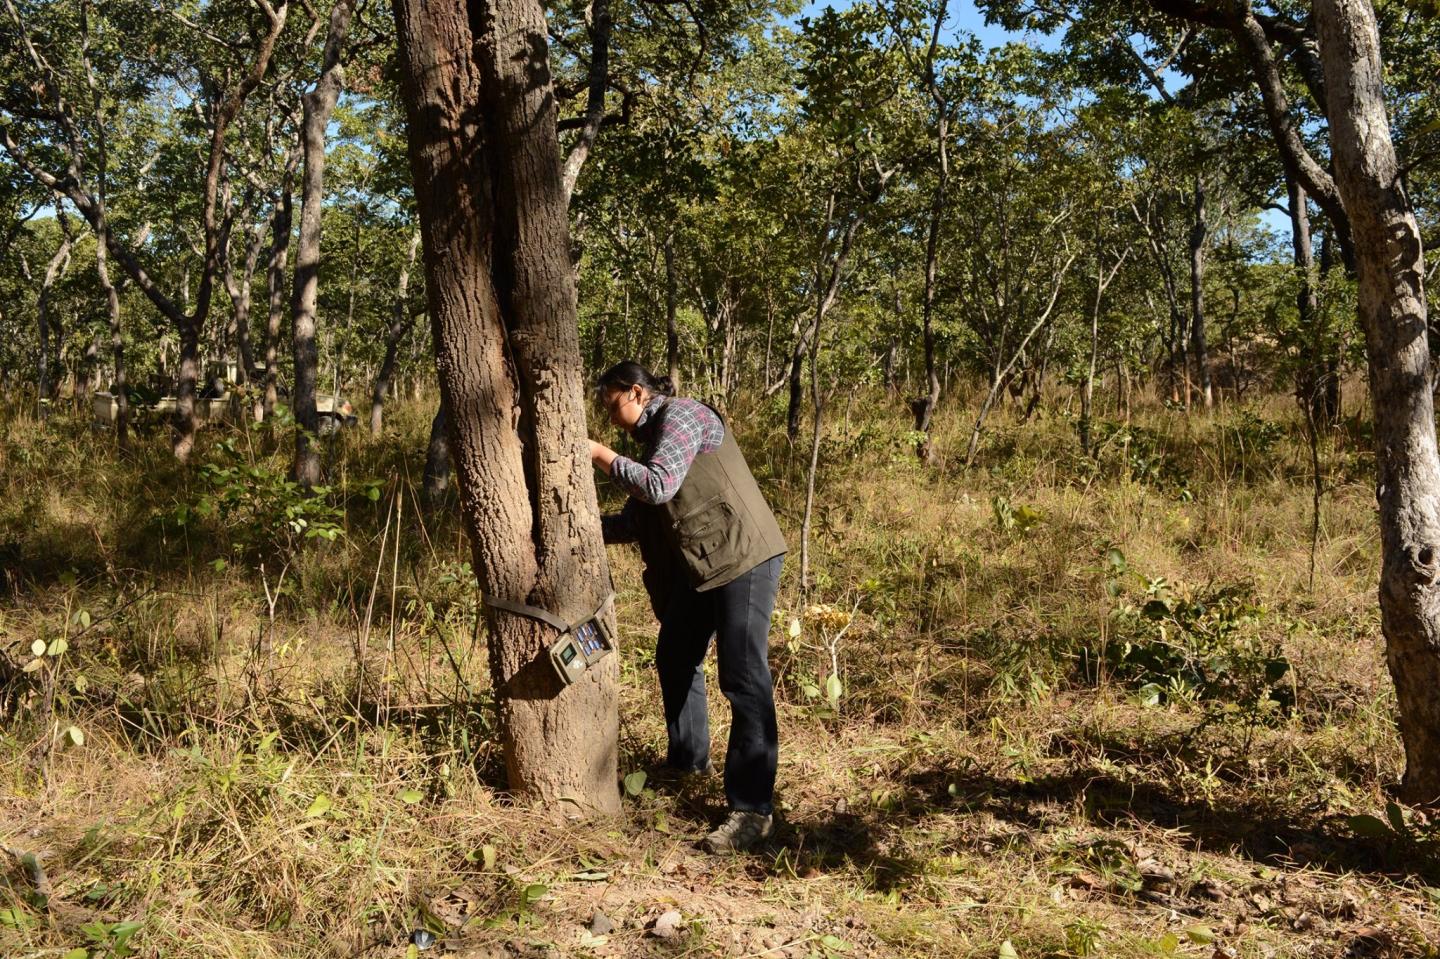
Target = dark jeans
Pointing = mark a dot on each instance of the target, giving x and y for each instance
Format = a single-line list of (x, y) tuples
[(738, 616)]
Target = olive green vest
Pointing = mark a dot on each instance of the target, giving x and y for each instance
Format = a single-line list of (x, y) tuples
[(718, 521)]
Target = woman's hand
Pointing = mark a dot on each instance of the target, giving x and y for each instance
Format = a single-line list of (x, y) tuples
[(601, 456)]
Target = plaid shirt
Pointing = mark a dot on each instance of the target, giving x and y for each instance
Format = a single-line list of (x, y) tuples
[(672, 442)]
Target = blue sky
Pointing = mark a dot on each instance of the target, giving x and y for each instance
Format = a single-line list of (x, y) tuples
[(964, 17)]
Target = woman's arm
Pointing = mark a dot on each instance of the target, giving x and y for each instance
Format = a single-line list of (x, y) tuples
[(688, 429)]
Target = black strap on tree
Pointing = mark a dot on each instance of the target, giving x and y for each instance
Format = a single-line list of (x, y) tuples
[(544, 616)]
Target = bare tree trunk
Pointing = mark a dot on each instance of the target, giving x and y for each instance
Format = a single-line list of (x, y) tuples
[(1087, 397), (1311, 381), (401, 320), (275, 281), (240, 289), (672, 335), (492, 202), (832, 275), (59, 263), (1102, 282), (117, 342), (600, 27), (1199, 230), (769, 335), (437, 462), (1390, 266), (319, 103), (925, 406), (817, 403)]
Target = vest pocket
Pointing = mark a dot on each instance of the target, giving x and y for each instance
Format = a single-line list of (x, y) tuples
[(712, 538)]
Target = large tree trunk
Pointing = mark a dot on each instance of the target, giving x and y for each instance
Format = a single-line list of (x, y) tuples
[(486, 163), (1390, 266), (1199, 230), (401, 320), (318, 103)]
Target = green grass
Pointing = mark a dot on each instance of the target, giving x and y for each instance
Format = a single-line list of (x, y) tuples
[(1059, 715)]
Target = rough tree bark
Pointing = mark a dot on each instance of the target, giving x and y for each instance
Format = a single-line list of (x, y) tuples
[(318, 104), (1390, 266), (485, 159)]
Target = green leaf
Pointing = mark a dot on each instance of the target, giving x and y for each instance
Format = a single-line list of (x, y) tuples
[(84, 619), (411, 796), (1169, 943), (412, 951), (76, 735), (1007, 950), (319, 807), (1396, 815), (635, 782), (487, 856), (37, 648), (76, 954), (14, 918), (1369, 827), (534, 892), (58, 646), (120, 935), (1200, 935), (833, 689)]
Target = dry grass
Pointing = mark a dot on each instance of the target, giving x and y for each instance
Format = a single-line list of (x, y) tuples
[(990, 771)]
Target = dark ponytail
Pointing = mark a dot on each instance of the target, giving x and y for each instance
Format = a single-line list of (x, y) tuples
[(624, 375)]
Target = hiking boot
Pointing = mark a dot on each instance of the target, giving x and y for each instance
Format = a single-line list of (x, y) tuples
[(741, 832)]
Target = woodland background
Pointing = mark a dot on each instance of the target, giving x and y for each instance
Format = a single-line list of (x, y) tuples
[(1049, 367)]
